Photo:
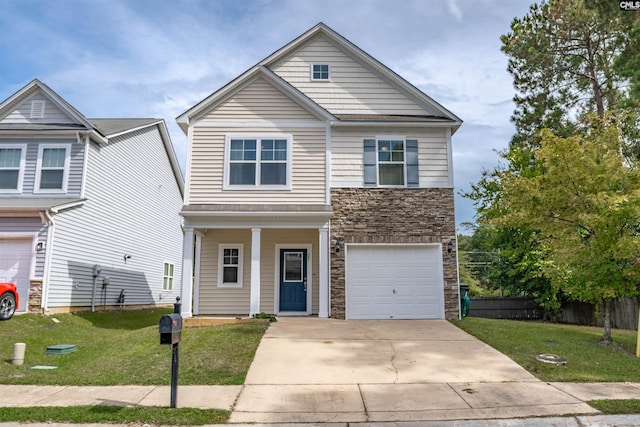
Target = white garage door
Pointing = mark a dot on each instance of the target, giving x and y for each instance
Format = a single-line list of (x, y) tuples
[(15, 266), (394, 282)]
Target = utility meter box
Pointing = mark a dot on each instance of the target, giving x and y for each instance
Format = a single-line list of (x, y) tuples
[(170, 328)]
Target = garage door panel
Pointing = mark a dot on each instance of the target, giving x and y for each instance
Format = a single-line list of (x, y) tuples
[(15, 266), (394, 282)]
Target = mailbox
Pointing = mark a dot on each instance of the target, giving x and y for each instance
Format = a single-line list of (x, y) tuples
[(170, 328)]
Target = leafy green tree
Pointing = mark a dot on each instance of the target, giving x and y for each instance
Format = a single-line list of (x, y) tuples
[(569, 59), (586, 206)]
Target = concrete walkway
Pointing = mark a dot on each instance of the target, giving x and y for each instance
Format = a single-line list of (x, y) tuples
[(386, 372)]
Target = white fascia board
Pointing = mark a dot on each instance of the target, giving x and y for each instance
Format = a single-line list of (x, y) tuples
[(59, 208), (240, 214)]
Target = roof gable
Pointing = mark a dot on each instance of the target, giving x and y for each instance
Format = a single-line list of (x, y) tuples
[(417, 103), (37, 104), (322, 31), (224, 94)]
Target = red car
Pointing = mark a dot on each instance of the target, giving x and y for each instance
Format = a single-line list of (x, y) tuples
[(8, 300)]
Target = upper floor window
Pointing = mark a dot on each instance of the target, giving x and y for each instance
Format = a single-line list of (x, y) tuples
[(391, 168), (391, 161), (258, 162), (53, 168), (320, 72), (11, 167)]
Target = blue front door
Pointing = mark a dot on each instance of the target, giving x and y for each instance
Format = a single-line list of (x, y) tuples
[(293, 280)]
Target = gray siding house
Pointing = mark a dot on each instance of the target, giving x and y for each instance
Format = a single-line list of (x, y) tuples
[(320, 182), (89, 208)]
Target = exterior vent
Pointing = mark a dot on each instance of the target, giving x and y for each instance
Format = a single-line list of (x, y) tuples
[(37, 109)]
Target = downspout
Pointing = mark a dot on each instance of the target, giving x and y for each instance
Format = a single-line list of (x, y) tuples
[(47, 262)]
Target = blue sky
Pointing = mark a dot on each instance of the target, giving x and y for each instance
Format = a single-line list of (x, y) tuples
[(157, 58)]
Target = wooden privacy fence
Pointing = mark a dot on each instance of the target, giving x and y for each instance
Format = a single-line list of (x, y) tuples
[(624, 311)]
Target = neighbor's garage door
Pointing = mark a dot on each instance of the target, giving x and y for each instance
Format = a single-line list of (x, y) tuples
[(15, 266), (394, 282)]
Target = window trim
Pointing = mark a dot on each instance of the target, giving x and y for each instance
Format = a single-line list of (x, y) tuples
[(166, 277), (258, 137), (404, 160), (23, 155), (221, 265), (313, 79), (65, 172)]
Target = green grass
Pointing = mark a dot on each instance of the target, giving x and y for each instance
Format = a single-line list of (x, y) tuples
[(114, 414), (618, 407), (123, 347), (587, 359)]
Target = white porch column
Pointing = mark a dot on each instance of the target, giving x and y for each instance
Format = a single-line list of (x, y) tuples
[(254, 304), (186, 292), (323, 289)]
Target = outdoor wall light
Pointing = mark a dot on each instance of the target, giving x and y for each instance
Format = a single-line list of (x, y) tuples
[(126, 257), (337, 247), (40, 246), (450, 246)]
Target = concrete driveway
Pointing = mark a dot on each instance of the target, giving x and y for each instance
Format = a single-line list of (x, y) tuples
[(324, 370)]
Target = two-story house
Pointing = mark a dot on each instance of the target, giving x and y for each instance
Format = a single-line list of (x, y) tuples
[(89, 208), (319, 182)]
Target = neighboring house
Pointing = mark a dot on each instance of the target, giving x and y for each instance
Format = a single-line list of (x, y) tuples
[(89, 208), (319, 182)]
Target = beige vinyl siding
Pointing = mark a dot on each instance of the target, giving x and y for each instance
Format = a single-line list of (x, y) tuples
[(235, 301), (215, 300), (308, 166), (352, 89), (52, 114), (270, 260), (347, 169), (259, 100)]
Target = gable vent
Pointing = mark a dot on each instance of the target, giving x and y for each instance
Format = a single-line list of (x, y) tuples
[(37, 109)]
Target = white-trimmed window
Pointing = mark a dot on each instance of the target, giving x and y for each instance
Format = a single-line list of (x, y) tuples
[(53, 168), (258, 162), (167, 276), (391, 162), (11, 168), (230, 265), (320, 72)]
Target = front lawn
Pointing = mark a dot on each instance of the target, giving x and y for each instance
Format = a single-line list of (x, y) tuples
[(123, 347), (587, 359)]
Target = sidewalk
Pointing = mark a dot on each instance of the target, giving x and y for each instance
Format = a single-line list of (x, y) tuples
[(224, 397)]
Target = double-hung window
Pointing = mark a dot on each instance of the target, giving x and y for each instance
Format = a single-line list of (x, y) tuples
[(53, 168), (167, 277), (11, 168), (391, 162), (258, 162), (230, 266)]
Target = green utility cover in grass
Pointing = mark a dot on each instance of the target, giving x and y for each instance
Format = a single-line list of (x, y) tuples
[(61, 349)]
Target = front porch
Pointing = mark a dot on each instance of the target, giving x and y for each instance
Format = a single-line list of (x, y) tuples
[(270, 259)]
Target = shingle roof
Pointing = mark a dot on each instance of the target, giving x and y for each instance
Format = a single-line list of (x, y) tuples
[(389, 118), (112, 126)]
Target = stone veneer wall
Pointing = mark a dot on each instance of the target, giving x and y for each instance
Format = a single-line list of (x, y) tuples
[(34, 299), (407, 215)]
